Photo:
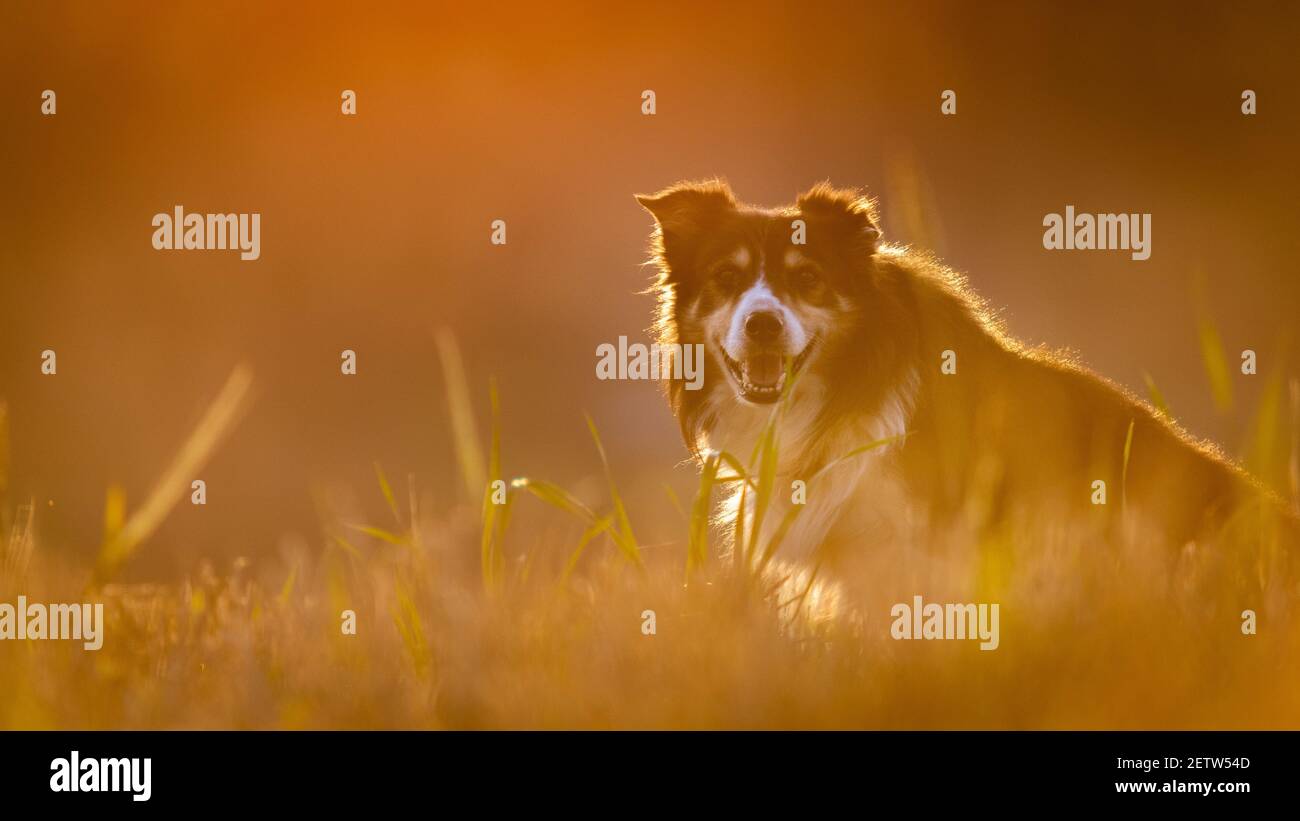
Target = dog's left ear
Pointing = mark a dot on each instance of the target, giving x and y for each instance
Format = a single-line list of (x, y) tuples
[(683, 212), (850, 214), (687, 206)]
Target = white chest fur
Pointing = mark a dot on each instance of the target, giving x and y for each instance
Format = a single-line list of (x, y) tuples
[(819, 495)]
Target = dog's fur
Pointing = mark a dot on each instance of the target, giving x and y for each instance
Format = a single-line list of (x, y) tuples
[(1015, 434)]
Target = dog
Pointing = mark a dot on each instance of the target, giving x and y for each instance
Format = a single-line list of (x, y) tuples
[(862, 346)]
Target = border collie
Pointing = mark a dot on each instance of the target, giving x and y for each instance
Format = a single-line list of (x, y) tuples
[(885, 343)]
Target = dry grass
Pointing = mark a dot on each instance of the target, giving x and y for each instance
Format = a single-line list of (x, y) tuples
[(466, 620)]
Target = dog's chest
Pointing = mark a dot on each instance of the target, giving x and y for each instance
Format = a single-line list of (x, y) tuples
[(853, 503), (823, 495), (850, 506)]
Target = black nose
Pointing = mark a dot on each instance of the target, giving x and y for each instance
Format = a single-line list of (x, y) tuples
[(763, 326)]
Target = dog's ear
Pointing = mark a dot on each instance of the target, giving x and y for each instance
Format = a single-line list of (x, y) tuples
[(850, 214), (683, 212), (685, 209)]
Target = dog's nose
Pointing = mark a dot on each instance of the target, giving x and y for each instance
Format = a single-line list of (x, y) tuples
[(763, 326)]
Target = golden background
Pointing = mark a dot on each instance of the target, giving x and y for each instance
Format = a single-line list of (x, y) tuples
[(375, 228)]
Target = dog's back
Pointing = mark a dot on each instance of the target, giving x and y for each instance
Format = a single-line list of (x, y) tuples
[(887, 342)]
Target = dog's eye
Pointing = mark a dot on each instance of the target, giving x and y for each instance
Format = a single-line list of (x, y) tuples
[(726, 277), (806, 277)]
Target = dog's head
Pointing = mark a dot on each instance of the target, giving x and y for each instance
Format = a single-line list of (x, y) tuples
[(766, 291)]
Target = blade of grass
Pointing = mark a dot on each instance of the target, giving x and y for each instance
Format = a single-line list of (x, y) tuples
[(788, 520), (215, 424), (767, 464), (698, 523), (493, 519), (1294, 472), (1216, 367), (1212, 352), (387, 490), (114, 513), (1156, 396), (676, 501), (739, 550), (347, 546), (555, 496), (595, 529), (697, 541), (768, 461), (625, 539), (1265, 443), (18, 551), (469, 453), (912, 198), (411, 629), (413, 519), (739, 473), (1123, 477), (858, 451), (381, 534), (286, 589)]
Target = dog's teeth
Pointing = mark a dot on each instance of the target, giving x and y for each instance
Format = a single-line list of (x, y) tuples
[(749, 387)]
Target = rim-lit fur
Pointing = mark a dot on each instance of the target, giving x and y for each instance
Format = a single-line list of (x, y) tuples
[(1014, 432)]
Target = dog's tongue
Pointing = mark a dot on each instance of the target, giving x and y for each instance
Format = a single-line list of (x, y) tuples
[(764, 370)]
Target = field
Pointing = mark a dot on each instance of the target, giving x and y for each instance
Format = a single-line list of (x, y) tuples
[(468, 618)]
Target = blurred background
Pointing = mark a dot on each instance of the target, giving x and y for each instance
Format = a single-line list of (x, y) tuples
[(375, 228)]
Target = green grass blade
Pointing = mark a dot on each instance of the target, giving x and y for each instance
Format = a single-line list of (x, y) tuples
[(740, 550), (1264, 446), (676, 501), (1157, 397), (1213, 355), (767, 464), (381, 534), (787, 521), (469, 453), (595, 529), (739, 473), (1293, 473), (768, 461), (409, 626), (219, 419), (347, 546), (286, 590), (625, 539), (556, 496), (1216, 365), (791, 515), (493, 518), (387, 490), (697, 543), (1123, 479), (858, 451)]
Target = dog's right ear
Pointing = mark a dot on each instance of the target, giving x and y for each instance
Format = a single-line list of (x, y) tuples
[(850, 215), (684, 209)]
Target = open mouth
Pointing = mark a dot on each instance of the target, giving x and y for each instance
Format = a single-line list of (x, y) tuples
[(761, 376)]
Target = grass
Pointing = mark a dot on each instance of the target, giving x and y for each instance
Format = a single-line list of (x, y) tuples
[(498, 625)]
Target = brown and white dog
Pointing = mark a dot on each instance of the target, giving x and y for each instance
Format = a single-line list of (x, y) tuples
[(887, 342)]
